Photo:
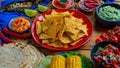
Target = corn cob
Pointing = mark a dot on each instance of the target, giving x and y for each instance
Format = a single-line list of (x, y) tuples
[(57, 62), (73, 62)]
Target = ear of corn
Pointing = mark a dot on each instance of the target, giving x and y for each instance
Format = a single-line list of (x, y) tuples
[(57, 62), (73, 62)]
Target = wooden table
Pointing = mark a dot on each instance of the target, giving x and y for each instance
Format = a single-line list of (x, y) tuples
[(85, 49)]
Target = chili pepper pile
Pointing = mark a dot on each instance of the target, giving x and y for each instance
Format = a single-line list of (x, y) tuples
[(91, 3)]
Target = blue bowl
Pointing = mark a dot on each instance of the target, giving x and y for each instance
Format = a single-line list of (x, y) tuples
[(105, 22), (11, 21), (110, 1), (102, 45)]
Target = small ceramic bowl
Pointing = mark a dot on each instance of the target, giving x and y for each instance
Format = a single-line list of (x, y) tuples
[(69, 4), (83, 8), (106, 22), (25, 24), (102, 45)]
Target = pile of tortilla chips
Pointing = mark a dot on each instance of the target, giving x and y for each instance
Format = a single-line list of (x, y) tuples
[(61, 29)]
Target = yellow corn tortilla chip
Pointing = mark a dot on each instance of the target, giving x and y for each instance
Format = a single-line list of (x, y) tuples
[(55, 43), (65, 39), (38, 28), (44, 36), (75, 42), (84, 29), (45, 41)]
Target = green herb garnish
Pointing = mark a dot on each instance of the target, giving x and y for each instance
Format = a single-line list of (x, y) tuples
[(86, 63), (73, 53), (63, 1)]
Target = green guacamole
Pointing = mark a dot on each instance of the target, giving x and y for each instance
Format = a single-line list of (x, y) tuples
[(109, 13)]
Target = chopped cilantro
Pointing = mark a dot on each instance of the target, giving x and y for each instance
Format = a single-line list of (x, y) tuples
[(63, 1)]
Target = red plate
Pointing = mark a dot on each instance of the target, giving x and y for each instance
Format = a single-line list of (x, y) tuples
[(77, 15)]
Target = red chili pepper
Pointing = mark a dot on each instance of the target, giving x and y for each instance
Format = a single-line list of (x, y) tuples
[(91, 3), (4, 38), (5, 30)]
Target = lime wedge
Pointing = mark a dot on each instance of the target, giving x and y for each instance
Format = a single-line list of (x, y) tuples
[(42, 8), (45, 62), (30, 13)]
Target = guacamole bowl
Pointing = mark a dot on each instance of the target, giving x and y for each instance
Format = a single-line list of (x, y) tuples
[(108, 14)]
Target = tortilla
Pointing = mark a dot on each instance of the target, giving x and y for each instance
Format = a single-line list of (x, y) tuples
[(19, 55)]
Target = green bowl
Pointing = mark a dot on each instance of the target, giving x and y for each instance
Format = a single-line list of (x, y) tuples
[(95, 48)]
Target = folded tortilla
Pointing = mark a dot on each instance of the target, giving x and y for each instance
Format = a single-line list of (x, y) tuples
[(19, 55)]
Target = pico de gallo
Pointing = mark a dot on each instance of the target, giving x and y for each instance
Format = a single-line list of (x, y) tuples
[(108, 56)]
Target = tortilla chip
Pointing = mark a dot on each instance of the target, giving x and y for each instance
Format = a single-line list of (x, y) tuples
[(75, 42), (38, 28)]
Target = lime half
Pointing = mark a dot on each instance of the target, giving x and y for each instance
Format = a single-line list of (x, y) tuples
[(45, 62), (42, 8), (30, 13)]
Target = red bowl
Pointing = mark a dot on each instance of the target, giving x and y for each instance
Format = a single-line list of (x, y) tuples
[(77, 15)]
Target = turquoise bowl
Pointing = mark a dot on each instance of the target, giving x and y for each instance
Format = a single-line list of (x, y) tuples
[(105, 22)]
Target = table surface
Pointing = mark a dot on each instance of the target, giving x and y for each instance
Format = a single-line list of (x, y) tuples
[(85, 49)]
